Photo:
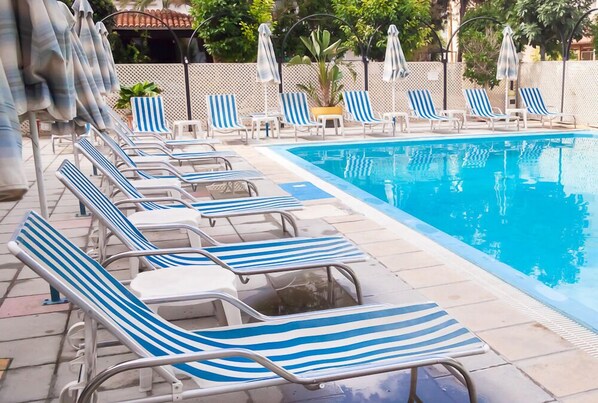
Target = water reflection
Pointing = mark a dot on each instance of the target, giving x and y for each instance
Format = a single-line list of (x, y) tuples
[(525, 202)]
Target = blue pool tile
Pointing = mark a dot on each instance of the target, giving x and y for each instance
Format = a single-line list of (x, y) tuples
[(305, 191)]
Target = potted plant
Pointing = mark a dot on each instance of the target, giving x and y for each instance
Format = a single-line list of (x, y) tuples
[(326, 61), (144, 89)]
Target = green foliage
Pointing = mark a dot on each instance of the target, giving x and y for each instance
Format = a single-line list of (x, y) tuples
[(372, 17), (132, 52), (231, 36), (144, 89), (480, 54), (325, 59), (547, 23), (288, 12)]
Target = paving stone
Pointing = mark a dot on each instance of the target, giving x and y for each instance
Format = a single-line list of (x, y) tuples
[(563, 373), (7, 274), (31, 352), (410, 258), (372, 236), (26, 384), (488, 315), (455, 294), (525, 341), (503, 384), (584, 397), (29, 287), (356, 226), (3, 288), (431, 276), (32, 326), (345, 218), (387, 248), (319, 211)]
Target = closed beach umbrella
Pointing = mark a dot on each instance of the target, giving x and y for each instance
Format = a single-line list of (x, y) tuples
[(91, 41), (35, 53), (13, 183), (267, 68), (111, 81), (507, 61), (395, 65)]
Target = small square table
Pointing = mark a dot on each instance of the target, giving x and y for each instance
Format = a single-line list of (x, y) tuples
[(393, 117), (267, 120), (522, 111), (336, 119)]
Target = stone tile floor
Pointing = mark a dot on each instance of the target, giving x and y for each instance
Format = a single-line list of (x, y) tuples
[(528, 362)]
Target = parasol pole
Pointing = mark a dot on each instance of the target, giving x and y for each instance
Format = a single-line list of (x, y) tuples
[(39, 175)]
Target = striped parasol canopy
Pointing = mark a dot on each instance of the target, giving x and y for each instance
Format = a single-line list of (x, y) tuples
[(395, 65), (508, 60), (13, 183), (267, 68), (91, 41), (111, 83)]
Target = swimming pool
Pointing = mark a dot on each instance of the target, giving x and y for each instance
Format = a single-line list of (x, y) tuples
[(524, 208)]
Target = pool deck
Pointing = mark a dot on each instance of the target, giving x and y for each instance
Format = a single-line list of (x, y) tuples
[(537, 355)]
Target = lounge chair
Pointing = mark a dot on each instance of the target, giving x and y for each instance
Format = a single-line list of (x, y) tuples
[(306, 349), (295, 112), (210, 209), (359, 109), (422, 107), (191, 178), (243, 259), (535, 105), (479, 106), (223, 115), (140, 138)]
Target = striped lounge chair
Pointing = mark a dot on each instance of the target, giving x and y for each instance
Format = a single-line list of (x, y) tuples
[(149, 117), (535, 105), (306, 349), (359, 109), (223, 115), (295, 112), (422, 107), (479, 106), (193, 179), (210, 209), (243, 259), (139, 138)]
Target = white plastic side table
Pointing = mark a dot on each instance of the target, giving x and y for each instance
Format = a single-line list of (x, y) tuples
[(404, 120), (178, 127), (271, 121), (450, 113), (523, 112), (189, 280), (336, 119)]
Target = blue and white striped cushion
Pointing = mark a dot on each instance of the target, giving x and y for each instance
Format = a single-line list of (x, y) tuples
[(359, 106), (366, 336), (148, 115), (478, 102), (295, 109), (244, 258), (534, 101), (223, 112), (422, 105)]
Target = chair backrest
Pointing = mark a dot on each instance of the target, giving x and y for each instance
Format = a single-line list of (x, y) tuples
[(420, 101), (478, 101), (295, 109), (148, 114), (534, 102), (112, 173), (93, 289), (222, 111), (119, 152), (359, 106), (110, 216)]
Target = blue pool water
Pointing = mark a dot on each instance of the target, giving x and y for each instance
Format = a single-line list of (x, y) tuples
[(529, 204)]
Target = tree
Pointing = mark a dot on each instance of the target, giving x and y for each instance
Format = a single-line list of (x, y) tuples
[(288, 12), (372, 17), (232, 35), (548, 23)]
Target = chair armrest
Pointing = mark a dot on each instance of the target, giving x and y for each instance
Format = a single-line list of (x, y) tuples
[(153, 199), (496, 109), (166, 251), (178, 226)]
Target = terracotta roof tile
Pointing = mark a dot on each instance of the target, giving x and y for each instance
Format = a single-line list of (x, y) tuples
[(174, 19)]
